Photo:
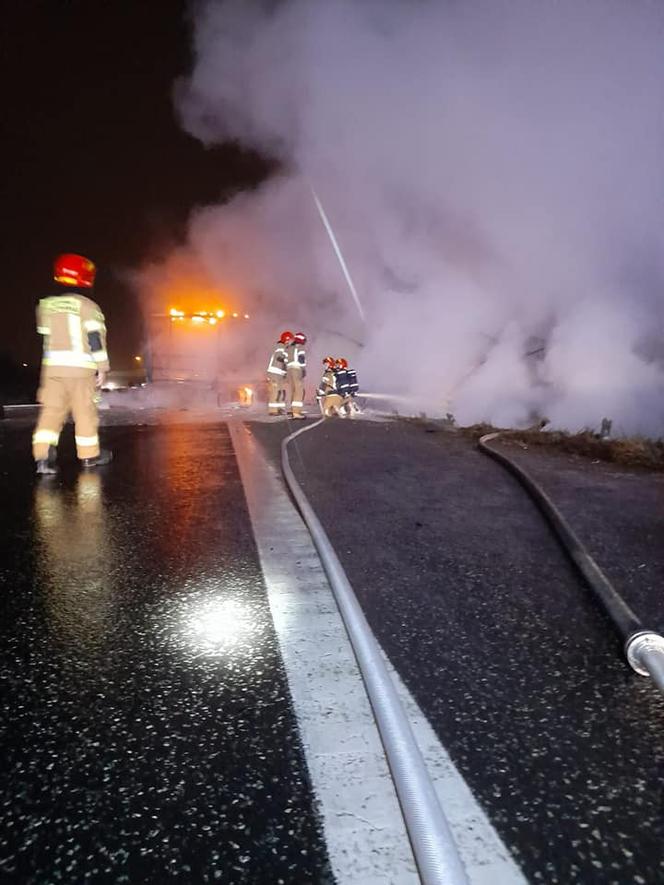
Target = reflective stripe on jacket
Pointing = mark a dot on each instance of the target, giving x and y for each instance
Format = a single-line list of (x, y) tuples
[(277, 364), (297, 357), (67, 323)]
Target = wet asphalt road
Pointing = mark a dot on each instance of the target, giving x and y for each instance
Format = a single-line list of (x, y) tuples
[(481, 614), (147, 733), (618, 513)]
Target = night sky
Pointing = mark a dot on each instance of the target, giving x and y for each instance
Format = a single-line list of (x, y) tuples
[(94, 159)]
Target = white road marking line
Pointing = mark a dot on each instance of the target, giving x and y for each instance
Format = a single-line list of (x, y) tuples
[(364, 829), (487, 860)]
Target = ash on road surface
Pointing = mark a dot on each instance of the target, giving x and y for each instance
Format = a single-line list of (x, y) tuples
[(480, 612)]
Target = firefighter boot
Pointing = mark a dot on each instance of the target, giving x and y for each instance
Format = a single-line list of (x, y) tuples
[(46, 466), (104, 457)]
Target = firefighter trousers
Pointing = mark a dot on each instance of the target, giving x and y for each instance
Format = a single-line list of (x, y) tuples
[(296, 387), (350, 407), (59, 397), (331, 404), (276, 394)]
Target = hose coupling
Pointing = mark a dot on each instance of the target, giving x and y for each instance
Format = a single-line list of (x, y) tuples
[(641, 648)]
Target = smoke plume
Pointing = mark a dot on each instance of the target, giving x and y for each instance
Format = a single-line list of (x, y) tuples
[(493, 172)]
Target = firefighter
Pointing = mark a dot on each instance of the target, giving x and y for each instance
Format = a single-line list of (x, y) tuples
[(296, 368), (341, 374), (348, 387), (276, 375), (327, 394), (74, 363)]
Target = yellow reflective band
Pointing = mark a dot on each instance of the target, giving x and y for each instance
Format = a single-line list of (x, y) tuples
[(68, 358), (43, 330), (87, 441), (100, 356), (49, 437), (60, 304), (75, 333), (296, 405), (93, 326)]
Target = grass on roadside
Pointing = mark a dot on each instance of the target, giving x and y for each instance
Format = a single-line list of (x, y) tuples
[(634, 451)]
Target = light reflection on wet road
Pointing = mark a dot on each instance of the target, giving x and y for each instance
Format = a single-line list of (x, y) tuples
[(147, 731)]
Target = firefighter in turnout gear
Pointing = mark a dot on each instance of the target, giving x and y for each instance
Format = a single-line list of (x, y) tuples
[(276, 375), (296, 370), (327, 394), (74, 364), (348, 386)]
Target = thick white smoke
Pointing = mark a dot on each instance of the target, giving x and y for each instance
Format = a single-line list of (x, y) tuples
[(494, 173)]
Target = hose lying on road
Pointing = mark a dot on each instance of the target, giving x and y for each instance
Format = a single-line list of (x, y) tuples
[(434, 849), (643, 648)]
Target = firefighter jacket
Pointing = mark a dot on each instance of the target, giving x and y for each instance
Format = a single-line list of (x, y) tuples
[(74, 335), (343, 383), (297, 357), (277, 365), (328, 384)]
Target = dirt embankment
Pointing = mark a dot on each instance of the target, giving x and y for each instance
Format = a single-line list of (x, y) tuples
[(634, 451)]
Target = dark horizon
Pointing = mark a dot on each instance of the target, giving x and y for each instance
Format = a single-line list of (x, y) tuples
[(97, 161)]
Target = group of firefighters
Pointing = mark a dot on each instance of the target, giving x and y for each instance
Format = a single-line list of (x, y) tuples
[(337, 389), (75, 364), (286, 371)]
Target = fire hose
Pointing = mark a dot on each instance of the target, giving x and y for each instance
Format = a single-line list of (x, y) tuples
[(643, 648), (434, 849)]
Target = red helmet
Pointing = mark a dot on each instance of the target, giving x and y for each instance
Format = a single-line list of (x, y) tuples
[(286, 337), (74, 270), (300, 338), (342, 363), (329, 362)]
